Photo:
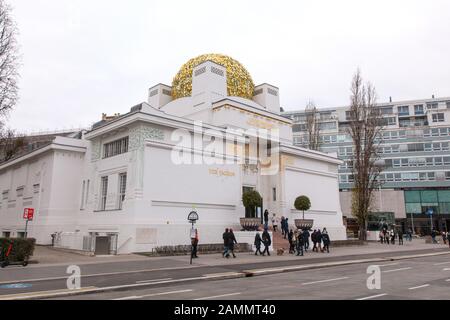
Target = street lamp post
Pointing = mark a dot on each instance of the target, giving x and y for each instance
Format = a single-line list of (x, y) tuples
[(192, 218)]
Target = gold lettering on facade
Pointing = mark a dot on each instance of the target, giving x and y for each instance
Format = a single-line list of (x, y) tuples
[(221, 173)]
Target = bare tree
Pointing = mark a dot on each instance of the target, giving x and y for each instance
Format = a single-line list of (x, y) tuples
[(10, 144), (8, 60), (312, 126), (365, 127)]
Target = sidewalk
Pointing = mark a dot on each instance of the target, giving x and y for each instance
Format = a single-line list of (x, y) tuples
[(48, 256)]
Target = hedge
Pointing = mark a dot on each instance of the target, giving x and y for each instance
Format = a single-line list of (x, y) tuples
[(21, 250)]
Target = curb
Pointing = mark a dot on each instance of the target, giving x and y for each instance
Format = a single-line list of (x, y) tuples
[(219, 276)]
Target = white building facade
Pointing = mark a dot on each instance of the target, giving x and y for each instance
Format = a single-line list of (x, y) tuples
[(130, 183)]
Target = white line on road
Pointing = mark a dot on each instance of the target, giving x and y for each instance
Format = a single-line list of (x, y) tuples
[(441, 263), (152, 280), (395, 270), (373, 297), (448, 280), (418, 287), (154, 294), (219, 296), (322, 281), (446, 269), (388, 264)]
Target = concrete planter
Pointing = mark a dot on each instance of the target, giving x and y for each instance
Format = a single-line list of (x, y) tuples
[(250, 224), (304, 223)]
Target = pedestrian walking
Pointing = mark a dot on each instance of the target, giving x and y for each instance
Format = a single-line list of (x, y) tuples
[(283, 228), (392, 237), (291, 241), (306, 239), (444, 237), (299, 243), (326, 240), (381, 236), (267, 241), (225, 237), (258, 241), (448, 238), (275, 222), (286, 227), (400, 238), (231, 242), (194, 242), (266, 219), (433, 236), (319, 240), (314, 240)]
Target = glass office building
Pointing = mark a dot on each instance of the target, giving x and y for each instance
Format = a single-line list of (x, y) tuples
[(415, 152)]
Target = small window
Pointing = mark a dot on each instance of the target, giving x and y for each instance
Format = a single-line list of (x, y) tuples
[(21, 235), (6, 234), (115, 148), (438, 117), (82, 194), (5, 195), (103, 193), (432, 105), (20, 191), (418, 109), (438, 161), (122, 188), (274, 194), (403, 110), (36, 188)]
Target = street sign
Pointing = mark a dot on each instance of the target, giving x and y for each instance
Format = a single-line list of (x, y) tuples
[(28, 214), (193, 217)]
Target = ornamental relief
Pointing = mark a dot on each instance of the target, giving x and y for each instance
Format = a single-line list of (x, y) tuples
[(96, 150), (138, 136)]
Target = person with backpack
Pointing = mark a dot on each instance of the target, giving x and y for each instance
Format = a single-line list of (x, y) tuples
[(267, 241), (258, 241)]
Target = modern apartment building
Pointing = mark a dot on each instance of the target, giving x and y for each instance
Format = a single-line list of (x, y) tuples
[(415, 148)]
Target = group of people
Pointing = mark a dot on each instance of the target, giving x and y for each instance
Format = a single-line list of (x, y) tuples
[(444, 234), (265, 240), (389, 236), (299, 241), (229, 240)]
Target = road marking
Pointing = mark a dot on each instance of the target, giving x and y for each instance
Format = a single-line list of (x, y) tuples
[(153, 280), (448, 280), (418, 287), (446, 269), (154, 294), (38, 294), (395, 270), (388, 264), (441, 263), (97, 274), (219, 296), (373, 297), (322, 281)]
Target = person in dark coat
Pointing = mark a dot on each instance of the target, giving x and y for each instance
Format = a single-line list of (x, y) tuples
[(314, 240), (286, 227), (258, 241), (326, 240), (267, 241), (319, 240), (291, 243), (300, 244), (225, 237), (400, 238), (283, 228), (194, 242), (266, 218), (231, 242), (306, 239)]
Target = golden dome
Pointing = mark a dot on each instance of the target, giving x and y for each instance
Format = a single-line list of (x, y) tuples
[(239, 81)]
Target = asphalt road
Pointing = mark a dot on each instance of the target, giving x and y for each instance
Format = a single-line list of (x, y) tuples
[(165, 274), (420, 278)]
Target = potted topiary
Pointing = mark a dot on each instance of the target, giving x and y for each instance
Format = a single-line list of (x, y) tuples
[(303, 203), (251, 200)]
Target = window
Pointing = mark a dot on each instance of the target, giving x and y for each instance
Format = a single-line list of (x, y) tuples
[(444, 146), (299, 127), (433, 105), (435, 132), (21, 235), (103, 193), (7, 234), (36, 188), (115, 148), (447, 175), (446, 161), (438, 161), (20, 192), (327, 126), (274, 194), (448, 104), (428, 147), (122, 188), (87, 192), (5, 195), (418, 109), (443, 131), (82, 195), (403, 110), (386, 110), (438, 117)]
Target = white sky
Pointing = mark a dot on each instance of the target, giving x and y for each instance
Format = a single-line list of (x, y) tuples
[(85, 57)]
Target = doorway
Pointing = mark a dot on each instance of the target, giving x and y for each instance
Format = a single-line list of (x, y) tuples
[(102, 245)]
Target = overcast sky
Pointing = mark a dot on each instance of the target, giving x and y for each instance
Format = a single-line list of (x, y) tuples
[(85, 57)]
